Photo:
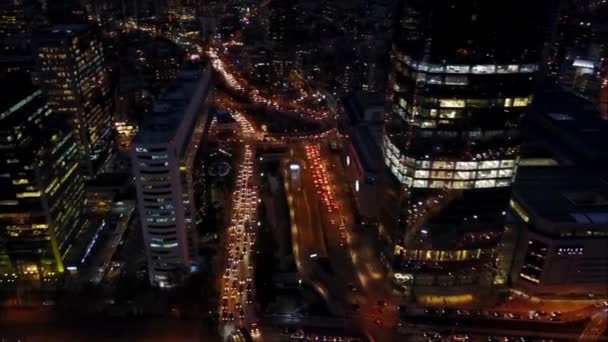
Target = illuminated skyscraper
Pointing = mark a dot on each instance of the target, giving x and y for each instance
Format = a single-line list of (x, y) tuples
[(162, 156), (462, 81), (41, 190), (74, 78)]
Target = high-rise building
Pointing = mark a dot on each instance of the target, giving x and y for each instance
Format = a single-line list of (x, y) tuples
[(75, 80), (41, 190), (163, 156), (278, 18), (462, 81), (18, 17)]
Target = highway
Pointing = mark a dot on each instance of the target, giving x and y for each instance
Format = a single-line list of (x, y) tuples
[(323, 224), (237, 290), (596, 327)]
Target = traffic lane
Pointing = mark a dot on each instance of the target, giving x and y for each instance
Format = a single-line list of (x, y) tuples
[(309, 200), (368, 315), (367, 271), (596, 327)]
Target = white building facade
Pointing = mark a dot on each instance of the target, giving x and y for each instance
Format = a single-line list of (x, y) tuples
[(163, 157)]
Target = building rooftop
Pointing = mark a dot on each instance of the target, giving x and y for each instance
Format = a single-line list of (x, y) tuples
[(64, 31), (562, 195), (161, 124), (572, 123)]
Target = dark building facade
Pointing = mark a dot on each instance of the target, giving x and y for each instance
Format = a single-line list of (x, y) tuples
[(462, 81), (41, 190)]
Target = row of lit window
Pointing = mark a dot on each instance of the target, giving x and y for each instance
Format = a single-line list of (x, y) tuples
[(461, 175), (393, 154), (482, 69), (437, 255), (422, 77), (476, 183), (166, 245), (461, 103)]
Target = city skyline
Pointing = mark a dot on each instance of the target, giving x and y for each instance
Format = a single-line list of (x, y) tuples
[(315, 170)]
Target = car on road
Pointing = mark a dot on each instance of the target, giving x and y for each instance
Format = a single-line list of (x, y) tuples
[(378, 322)]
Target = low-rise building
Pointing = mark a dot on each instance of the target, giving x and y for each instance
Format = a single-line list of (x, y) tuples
[(562, 227)]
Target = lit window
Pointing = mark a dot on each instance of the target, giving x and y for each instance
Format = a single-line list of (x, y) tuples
[(458, 69), (489, 164), (490, 183), (420, 183), (520, 101), (29, 194), (528, 68), (507, 163), (447, 114), (486, 174), (439, 184), (421, 174), (503, 182), (428, 124), (465, 175), (436, 68), (484, 69), (505, 173), (456, 80), (443, 164), (451, 103), (402, 103), (466, 165), (434, 79)]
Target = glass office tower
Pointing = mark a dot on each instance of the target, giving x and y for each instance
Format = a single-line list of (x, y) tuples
[(462, 81), (75, 80), (41, 189)]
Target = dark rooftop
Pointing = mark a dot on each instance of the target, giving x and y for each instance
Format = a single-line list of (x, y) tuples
[(20, 88), (562, 194), (64, 31), (572, 123)]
